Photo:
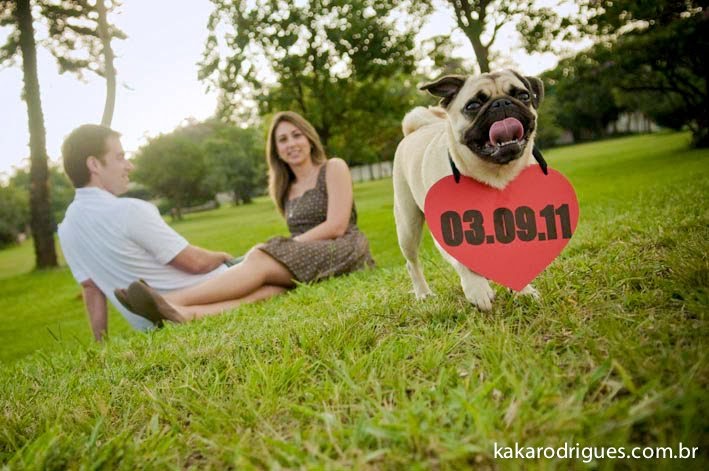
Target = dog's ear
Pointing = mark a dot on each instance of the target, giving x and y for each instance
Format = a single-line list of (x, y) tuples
[(445, 87), (536, 86)]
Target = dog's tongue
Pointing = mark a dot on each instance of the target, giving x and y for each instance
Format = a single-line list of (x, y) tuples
[(505, 130)]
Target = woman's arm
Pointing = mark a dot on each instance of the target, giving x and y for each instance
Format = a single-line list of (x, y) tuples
[(339, 203)]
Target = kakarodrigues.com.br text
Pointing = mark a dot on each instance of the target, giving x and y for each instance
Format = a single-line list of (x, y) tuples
[(589, 453)]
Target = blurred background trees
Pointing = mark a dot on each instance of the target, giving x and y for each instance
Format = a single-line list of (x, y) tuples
[(235, 161), (353, 68), (80, 39), (190, 165), (14, 214), (648, 58), (346, 66)]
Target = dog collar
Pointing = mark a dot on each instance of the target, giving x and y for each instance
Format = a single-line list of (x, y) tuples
[(535, 152)]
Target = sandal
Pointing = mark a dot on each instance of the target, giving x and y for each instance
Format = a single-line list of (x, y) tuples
[(151, 305), (122, 297)]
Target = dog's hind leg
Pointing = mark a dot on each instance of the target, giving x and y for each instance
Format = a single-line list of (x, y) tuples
[(476, 288), (409, 229)]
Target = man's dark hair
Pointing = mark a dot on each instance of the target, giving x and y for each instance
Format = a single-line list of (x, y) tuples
[(85, 141)]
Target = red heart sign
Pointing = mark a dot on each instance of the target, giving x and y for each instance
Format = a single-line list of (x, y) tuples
[(510, 235)]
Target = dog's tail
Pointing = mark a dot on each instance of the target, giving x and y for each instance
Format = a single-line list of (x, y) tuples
[(420, 116)]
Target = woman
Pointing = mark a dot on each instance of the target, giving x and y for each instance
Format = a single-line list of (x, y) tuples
[(315, 196)]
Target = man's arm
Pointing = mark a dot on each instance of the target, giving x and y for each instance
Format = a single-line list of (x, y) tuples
[(96, 307), (194, 259)]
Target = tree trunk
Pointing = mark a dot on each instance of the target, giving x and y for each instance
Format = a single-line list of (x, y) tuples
[(242, 196), (109, 70), (481, 52), (40, 208), (473, 28), (176, 213), (324, 134), (700, 132)]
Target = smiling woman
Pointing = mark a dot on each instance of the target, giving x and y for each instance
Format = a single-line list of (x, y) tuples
[(315, 196)]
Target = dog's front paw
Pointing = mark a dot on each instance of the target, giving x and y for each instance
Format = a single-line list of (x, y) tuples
[(528, 290), (480, 293), (422, 294)]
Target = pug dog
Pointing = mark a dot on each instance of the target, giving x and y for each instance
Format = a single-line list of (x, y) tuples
[(483, 128)]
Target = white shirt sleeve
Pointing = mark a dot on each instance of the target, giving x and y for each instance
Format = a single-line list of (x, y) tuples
[(148, 229)]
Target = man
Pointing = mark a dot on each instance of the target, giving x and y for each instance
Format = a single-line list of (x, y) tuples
[(109, 242)]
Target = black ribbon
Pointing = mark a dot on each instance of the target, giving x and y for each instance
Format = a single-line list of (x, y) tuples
[(540, 159), (456, 172), (535, 152)]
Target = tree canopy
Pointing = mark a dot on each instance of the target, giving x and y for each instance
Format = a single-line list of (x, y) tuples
[(173, 166), (235, 161), (193, 163), (649, 58), (344, 65), (481, 20)]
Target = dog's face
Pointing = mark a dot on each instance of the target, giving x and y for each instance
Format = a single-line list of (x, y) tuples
[(493, 115)]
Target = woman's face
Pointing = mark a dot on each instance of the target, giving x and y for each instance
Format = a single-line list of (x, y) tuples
[(292, 145)]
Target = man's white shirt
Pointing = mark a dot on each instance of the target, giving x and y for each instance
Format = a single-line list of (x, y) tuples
[(115, 241)]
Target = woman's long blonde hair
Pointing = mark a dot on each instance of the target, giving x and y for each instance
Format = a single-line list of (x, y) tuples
[(280, 176)]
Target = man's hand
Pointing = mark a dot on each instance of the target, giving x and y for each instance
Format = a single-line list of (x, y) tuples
[(96, 307), (198, 260)]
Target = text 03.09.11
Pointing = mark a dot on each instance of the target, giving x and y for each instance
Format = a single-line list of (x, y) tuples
[(508, 225)]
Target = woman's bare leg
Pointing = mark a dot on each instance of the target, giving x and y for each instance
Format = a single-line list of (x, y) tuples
[(200, 311), (257, 270)]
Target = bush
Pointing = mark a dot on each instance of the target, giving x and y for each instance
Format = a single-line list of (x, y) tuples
[(14, 214)]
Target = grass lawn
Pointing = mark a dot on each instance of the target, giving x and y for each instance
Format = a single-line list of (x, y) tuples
[(354, 373)]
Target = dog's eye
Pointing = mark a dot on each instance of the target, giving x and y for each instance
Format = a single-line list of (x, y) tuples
[(524, 96), (472, 105)]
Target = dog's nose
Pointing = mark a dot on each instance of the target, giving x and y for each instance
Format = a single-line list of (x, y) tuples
[(501, 103)]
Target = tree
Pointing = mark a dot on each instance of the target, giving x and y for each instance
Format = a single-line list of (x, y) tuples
[(235, 161), (441, 53), (661, 71), (61, 190), (19, 15), (173, 166), (80, 38), (69, 33), (194, 162), (370, 131), (651, 52), (538, 26), (332, 61), (609, 19), (582, 89), (14, 213), (549, 129)]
